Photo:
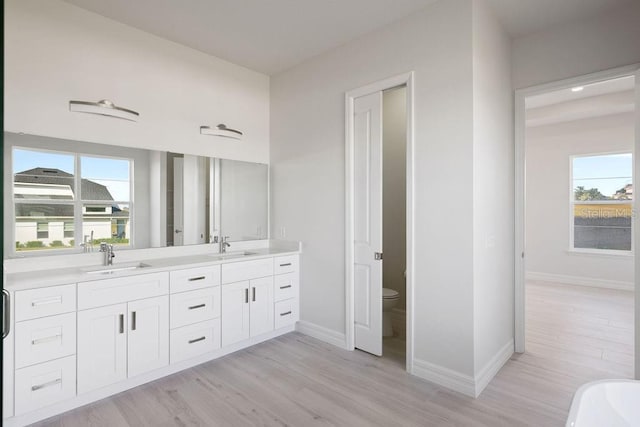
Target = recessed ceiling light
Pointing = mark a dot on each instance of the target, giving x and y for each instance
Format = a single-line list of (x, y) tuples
[(577, 89)]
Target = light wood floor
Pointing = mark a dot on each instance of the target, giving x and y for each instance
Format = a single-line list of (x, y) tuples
[(574, 335)]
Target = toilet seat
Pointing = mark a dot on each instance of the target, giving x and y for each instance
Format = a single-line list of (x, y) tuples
[(389, 293)]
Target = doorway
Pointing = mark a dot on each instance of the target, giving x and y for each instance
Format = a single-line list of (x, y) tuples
[(379, 218), (576, 145)]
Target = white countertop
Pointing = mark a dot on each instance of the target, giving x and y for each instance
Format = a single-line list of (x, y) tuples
[(62, 276)]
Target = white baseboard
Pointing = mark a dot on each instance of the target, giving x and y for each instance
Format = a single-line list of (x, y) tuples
[(463, 383), (581, 281), (321, 333), (486, 374), (445, 377)]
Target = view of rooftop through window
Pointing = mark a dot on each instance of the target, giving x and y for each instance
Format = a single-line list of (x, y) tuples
[(49, 207)]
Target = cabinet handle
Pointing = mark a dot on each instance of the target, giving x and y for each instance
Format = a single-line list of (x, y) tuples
[(54, 300), (49, 384), (285, 287), (285, 264), (133, 320), (197, 339), (253, 298), (246, 295), (121, 320), (47, 339), (193, 307), (193, 279), (285, 313), (6, 320)]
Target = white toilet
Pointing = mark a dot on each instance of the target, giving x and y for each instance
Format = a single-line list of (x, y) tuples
[(389, 300)]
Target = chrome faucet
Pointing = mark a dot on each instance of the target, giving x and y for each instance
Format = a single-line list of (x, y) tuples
[(108, 253), (224, 244)]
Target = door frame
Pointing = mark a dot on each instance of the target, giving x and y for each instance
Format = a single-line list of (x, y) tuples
[(520, 195), (407, 80)]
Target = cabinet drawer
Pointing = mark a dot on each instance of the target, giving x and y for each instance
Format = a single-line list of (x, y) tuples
[(286, 312), (285, 264), (194, 278), (285, 286), (45, 384), (194, 340), (34, 303), (195, 306), (40, 340), (246, 270), (100, 293)]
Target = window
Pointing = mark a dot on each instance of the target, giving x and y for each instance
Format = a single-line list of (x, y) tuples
[(602, 202), (64, 199)]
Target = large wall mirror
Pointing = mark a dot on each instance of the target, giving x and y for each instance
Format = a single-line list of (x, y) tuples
[(63, 196)]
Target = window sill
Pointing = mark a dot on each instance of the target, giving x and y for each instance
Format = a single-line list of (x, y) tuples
[(601, 253)]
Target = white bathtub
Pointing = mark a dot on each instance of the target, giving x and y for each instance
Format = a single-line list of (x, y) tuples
[(608, 403)]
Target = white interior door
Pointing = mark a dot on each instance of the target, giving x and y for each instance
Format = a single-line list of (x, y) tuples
[(368, 222), (178, 201)]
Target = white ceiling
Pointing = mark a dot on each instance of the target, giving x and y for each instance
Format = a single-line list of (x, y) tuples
[(273, 35)]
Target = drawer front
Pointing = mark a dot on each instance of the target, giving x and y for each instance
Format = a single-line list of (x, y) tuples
[(285, 286), (285, 264), (194, 278), (246, 270), (100, 293), (45, 384), (286, 312), (41, 340), (34, 303), (195, 306), (194, 340)]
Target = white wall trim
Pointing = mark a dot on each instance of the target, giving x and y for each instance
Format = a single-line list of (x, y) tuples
[(323, 334), (520, 186), (445, 377), (579, 280), (406, 79), (486, 374)]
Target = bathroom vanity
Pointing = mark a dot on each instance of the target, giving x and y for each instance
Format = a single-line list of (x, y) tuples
[(80, 334)]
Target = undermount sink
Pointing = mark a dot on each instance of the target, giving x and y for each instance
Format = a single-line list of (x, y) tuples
[(116, 268), (228, 255)]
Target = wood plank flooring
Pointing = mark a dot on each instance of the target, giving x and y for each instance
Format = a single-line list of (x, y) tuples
[(575, 335)]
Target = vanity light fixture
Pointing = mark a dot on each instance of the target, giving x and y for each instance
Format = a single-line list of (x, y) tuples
[(105, 108), (221, 130)]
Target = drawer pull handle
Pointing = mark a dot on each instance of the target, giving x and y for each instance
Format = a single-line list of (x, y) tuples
[(193, 307), (286, 313), (133, 320), (54, 300), (285, 265), (49, 384), (196, 340), (285, 287), (47, 339), (121, 321), (246, 295), (193, 279), (254, 294)]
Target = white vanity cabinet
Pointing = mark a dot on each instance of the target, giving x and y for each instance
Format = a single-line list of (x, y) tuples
[(120, 341), (45, 347), (195, 312), (286, 290)]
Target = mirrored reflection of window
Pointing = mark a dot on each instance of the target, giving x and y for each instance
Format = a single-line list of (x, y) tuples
[(602, 202), (50, 199)]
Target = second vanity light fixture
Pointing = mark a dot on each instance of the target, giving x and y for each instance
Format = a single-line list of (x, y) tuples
[(221, 130), (105, 108)]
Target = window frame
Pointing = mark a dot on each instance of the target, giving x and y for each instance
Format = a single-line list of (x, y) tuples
[(78, 202), (573, 203)]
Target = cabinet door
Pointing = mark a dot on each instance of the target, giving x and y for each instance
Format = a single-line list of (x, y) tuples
[(102, 347), (235, 312), (148, 337), (261, 302)]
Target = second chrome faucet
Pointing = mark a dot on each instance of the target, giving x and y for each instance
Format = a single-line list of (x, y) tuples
[(107, 249)]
